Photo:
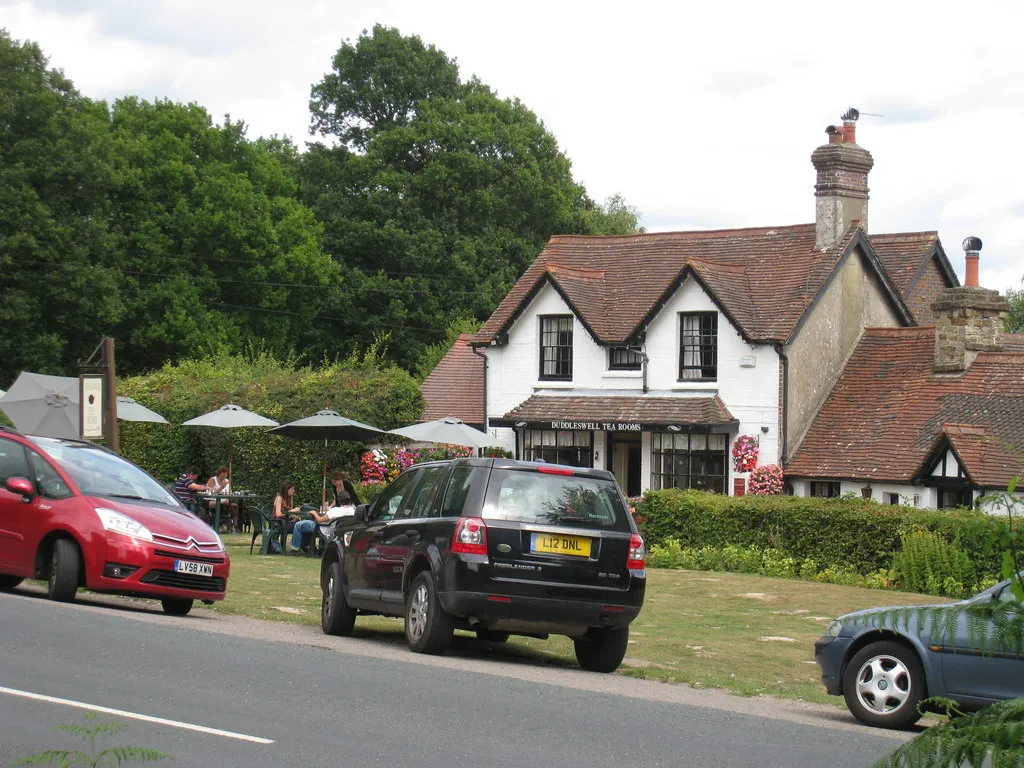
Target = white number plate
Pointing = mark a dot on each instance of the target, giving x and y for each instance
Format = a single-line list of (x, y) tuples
[(197, 569)]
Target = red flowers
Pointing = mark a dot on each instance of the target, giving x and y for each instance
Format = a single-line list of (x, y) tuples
[(744, 453)]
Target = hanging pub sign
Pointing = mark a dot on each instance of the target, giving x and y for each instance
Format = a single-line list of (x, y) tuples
[(90, 399)]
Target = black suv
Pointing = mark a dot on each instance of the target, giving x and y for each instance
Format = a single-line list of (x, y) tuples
[(496, 547)]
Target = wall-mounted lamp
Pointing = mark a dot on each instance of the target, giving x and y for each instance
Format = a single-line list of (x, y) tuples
[(674, 428), (865, 492), (520, 424), (765, 430)]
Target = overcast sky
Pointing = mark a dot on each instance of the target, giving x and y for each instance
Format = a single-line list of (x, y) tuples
[(702, 115)]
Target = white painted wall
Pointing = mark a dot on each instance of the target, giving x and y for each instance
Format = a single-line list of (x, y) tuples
[(750, 393), (748, 375)]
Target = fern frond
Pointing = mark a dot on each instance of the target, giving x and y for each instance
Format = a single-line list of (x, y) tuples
[(61, 757), (122, 755)]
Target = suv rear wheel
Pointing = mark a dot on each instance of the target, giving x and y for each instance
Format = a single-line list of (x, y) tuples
[(428, 629), (337, 617), (602, 650)]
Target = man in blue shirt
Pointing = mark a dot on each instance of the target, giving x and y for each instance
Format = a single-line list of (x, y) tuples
[(186, 487)]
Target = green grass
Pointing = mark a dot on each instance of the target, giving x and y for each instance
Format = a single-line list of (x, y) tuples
[(749, 635)]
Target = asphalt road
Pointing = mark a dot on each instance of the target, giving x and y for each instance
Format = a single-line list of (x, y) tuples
[(367, 701)]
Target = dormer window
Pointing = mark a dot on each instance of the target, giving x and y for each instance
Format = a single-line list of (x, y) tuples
[(556, 347), (698, 346), (624, 358)]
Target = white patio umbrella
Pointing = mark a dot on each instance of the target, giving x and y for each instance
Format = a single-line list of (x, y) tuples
[(228, 417), (48, 406), (43, 405), (129, 410), (327, 425), (449, 431)]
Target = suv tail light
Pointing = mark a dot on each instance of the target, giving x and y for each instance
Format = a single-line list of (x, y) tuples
[(636, 560), (470, 537)]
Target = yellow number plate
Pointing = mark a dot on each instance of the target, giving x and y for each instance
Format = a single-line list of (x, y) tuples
[(560, 545)]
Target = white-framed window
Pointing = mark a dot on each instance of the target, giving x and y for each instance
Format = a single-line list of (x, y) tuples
[(698, 346), (556, 347), (689, 461)]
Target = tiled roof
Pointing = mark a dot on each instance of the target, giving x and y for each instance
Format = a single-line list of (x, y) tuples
[(698, 411), (456, 385), (902, 254), (888, 411), (763, 278)]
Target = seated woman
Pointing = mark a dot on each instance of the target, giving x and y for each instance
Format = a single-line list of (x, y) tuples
[(341, 483), (285, 507), (218, 484), (342, 508)]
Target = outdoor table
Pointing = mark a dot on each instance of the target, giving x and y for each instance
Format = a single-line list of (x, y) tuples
[(220, 498)]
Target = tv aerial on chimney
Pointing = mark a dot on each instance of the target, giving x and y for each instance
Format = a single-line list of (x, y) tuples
[(852, 114)]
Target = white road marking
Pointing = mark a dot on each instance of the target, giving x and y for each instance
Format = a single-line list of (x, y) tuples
[(136, 716)]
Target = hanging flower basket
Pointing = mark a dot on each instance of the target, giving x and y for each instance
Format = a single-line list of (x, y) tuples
[(744, 453)]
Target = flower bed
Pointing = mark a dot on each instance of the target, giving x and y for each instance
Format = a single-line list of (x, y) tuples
[(381, 466)]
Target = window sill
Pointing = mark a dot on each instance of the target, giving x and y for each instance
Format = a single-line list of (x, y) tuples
[(543, 384), (621, 374), (692, 385)]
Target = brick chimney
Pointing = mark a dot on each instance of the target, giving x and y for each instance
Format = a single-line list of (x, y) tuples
[(968, 319), (841, 189)]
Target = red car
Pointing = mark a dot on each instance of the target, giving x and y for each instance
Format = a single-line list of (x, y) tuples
[(78, 515)]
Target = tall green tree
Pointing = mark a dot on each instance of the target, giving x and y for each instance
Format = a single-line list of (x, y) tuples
[(60, 287), (435, 196), (216, 251), (1015, 321)]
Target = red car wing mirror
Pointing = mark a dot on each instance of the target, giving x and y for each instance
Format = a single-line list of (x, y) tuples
[(21, 485)]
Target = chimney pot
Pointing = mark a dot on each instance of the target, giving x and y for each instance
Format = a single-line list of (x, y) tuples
[(972, 246)]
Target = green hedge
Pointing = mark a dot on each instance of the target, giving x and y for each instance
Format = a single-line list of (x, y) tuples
[(364, 389), (846, 534)]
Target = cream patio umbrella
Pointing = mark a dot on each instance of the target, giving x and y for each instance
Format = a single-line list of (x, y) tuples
[(448, 431), (43, 405), (229, 417)]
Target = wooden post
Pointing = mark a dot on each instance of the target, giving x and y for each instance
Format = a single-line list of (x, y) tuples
[(113, 439)]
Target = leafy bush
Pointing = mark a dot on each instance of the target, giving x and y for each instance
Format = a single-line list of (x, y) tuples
[(929, 564), (766, 480), (840, 540)]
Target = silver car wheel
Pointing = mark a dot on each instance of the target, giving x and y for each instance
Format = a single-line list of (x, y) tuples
[(419, 612), (883, 684), (329, 602)]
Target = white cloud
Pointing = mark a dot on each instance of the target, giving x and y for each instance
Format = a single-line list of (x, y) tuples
[(701, 115)]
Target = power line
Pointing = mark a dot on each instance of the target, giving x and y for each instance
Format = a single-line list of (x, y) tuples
[(396, 291)]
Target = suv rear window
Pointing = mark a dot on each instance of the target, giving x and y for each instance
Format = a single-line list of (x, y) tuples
[(529, 496)]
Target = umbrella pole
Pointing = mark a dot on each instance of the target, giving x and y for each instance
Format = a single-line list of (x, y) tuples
[(229, 461), (323, 496)]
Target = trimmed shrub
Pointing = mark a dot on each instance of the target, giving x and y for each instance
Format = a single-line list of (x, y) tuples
[(831, 536)]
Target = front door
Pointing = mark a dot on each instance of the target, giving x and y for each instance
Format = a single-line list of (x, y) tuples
[(624, 461)]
